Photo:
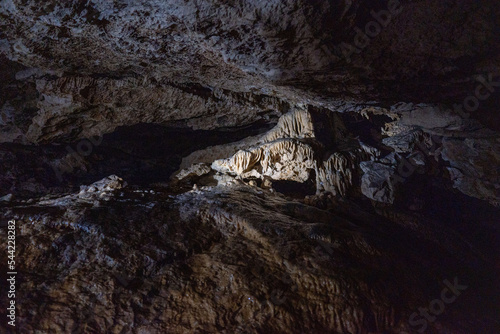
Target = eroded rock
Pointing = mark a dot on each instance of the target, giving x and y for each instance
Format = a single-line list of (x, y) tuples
[(232, 258)]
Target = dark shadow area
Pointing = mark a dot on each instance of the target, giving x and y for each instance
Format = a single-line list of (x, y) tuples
[(296, 190), (141, 154), (435, 199), (368, 131)]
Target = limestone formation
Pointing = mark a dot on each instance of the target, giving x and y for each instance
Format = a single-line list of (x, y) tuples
[(195, 170), (98, 191), (284, 166), (283, 159), (376, 182), (296, 124), (285, 153), (227, 256), (336, 174), (474, 167)]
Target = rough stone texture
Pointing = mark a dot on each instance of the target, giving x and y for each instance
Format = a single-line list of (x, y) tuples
[(233, 260), (107, 104), (475, 167), (292, 151), (376, 181), (326, 181), (113, 63)]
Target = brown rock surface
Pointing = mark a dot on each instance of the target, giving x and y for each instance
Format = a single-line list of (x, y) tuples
[(235, 260), (251, 166)]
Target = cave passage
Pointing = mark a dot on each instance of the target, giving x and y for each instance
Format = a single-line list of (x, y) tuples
[(143, 154), (250, 167)]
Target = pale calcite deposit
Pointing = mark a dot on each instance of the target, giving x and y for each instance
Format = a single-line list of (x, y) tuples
[(296, 124), (289, 152), (281, 155), (283, 159), (373, 192), (335, 174), (196, 169)]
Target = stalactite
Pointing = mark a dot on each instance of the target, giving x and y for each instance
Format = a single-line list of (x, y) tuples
[(295, 124)]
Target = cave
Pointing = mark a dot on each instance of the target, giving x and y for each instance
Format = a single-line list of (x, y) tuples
[(250, 166)]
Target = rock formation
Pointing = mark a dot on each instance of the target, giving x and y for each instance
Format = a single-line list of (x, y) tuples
[(251, 166)]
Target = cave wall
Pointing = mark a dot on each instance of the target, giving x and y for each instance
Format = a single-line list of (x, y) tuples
[(251, 166)]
